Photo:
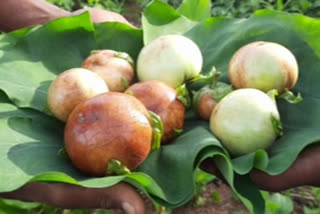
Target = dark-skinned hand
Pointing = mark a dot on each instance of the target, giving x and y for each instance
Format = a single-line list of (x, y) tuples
[(37, 12)]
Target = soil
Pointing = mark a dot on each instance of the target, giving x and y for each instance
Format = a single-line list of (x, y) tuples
[(301, 197), (227, 204), (132, 12)]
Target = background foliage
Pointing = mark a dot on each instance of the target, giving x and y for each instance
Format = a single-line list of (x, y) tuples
[(230, 8)]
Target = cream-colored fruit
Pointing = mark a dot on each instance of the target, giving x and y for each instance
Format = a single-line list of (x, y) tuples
[(242, 121), (71, 88), (172, 59), (264, 66)]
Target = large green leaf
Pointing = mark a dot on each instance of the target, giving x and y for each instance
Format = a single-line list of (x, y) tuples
[(196, 10), (31, 58), (31, 141), (28, 59), (156, 22)]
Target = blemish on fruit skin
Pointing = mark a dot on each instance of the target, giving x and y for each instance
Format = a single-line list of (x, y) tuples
[(81, 117), (260, 43), (95, 116)]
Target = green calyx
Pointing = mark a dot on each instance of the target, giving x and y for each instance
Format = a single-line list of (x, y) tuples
[(184, 95), (208, 78), (125, 56), (47, 110), (216, 91), (119, 54), (291, 98), (287, 96), (116, 167), (177, 132), (157, 128), (220, 90), (124, 83), (63, 153), (273, 94), (94, 51), (277, 126)]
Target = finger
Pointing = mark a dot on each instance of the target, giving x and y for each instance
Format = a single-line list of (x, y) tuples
[(209, 166), (99, 15), (273, 183), (67, 196), (304, 171)]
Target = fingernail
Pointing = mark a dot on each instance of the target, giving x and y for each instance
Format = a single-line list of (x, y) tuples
[(128, 208)]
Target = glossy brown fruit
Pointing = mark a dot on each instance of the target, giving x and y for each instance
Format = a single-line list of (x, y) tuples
[(161, 99), (109, 126), (206, 106), (112, 68)]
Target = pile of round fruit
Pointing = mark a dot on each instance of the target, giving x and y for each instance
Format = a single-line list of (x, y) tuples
[(117, 112)]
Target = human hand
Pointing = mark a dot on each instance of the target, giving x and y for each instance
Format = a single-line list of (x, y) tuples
[(67, 196), (37, 12), (99, 15), (304, 171)]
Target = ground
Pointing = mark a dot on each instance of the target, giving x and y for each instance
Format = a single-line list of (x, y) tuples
[(227, 204)]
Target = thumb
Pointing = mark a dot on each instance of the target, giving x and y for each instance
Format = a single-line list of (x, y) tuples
[(100, 15)]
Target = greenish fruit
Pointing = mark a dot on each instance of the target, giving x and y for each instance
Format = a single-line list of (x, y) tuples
[(172, 59), (265, 66), (244, 121)]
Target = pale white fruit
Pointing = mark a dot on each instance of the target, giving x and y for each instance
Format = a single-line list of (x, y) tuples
[(264, 66), (172, 59), (242, 121), (72, 87)]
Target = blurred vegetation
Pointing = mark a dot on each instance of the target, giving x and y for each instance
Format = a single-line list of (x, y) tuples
[(244, 8), (230, 8)]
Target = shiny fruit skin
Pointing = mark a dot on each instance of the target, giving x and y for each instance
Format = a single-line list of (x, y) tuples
[(206, 106), (161, 99), (264, 66), (70, 88), (172, 59), (109, 126), (242, 121), (111, 68)]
